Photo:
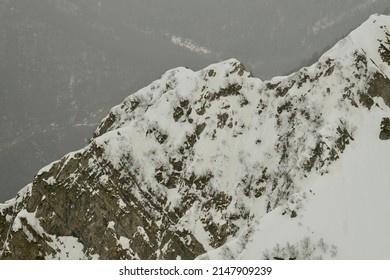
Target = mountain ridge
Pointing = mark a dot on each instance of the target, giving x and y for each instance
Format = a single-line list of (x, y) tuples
[(201, 164)]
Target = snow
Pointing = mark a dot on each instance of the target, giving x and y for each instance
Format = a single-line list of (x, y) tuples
[(189, 44), (346, 207), (103, 179), (369, 37), (358, 194), (334, 210), (46, 168), (111, 225), (50, 180), (124, 242), (122, 204), (141, 231), (68, 248), (173, 198)]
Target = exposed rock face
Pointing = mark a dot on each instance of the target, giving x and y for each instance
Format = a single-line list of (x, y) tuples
[(385, 129), (197, 160)]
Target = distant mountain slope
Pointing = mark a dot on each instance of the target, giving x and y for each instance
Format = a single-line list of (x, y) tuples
[(219, 164), (269, 37)]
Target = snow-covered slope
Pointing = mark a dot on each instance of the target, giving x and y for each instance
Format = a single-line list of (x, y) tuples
[(342, 213), (219, 164)]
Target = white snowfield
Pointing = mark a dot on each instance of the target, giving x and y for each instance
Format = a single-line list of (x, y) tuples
[(297, 160)]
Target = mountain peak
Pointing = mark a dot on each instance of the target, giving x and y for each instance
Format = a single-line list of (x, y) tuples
[(173, 87), (373, 37)]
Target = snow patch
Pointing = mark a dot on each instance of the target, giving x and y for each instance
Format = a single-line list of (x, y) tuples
[(189, 44)]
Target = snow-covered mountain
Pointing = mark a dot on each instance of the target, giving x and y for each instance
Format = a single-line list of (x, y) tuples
[(65, 63), (219, 164)]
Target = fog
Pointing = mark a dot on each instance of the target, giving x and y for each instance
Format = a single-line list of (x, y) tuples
[(65, 63)]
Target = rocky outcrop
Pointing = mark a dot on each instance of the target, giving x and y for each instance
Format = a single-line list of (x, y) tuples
[(385, 129)]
